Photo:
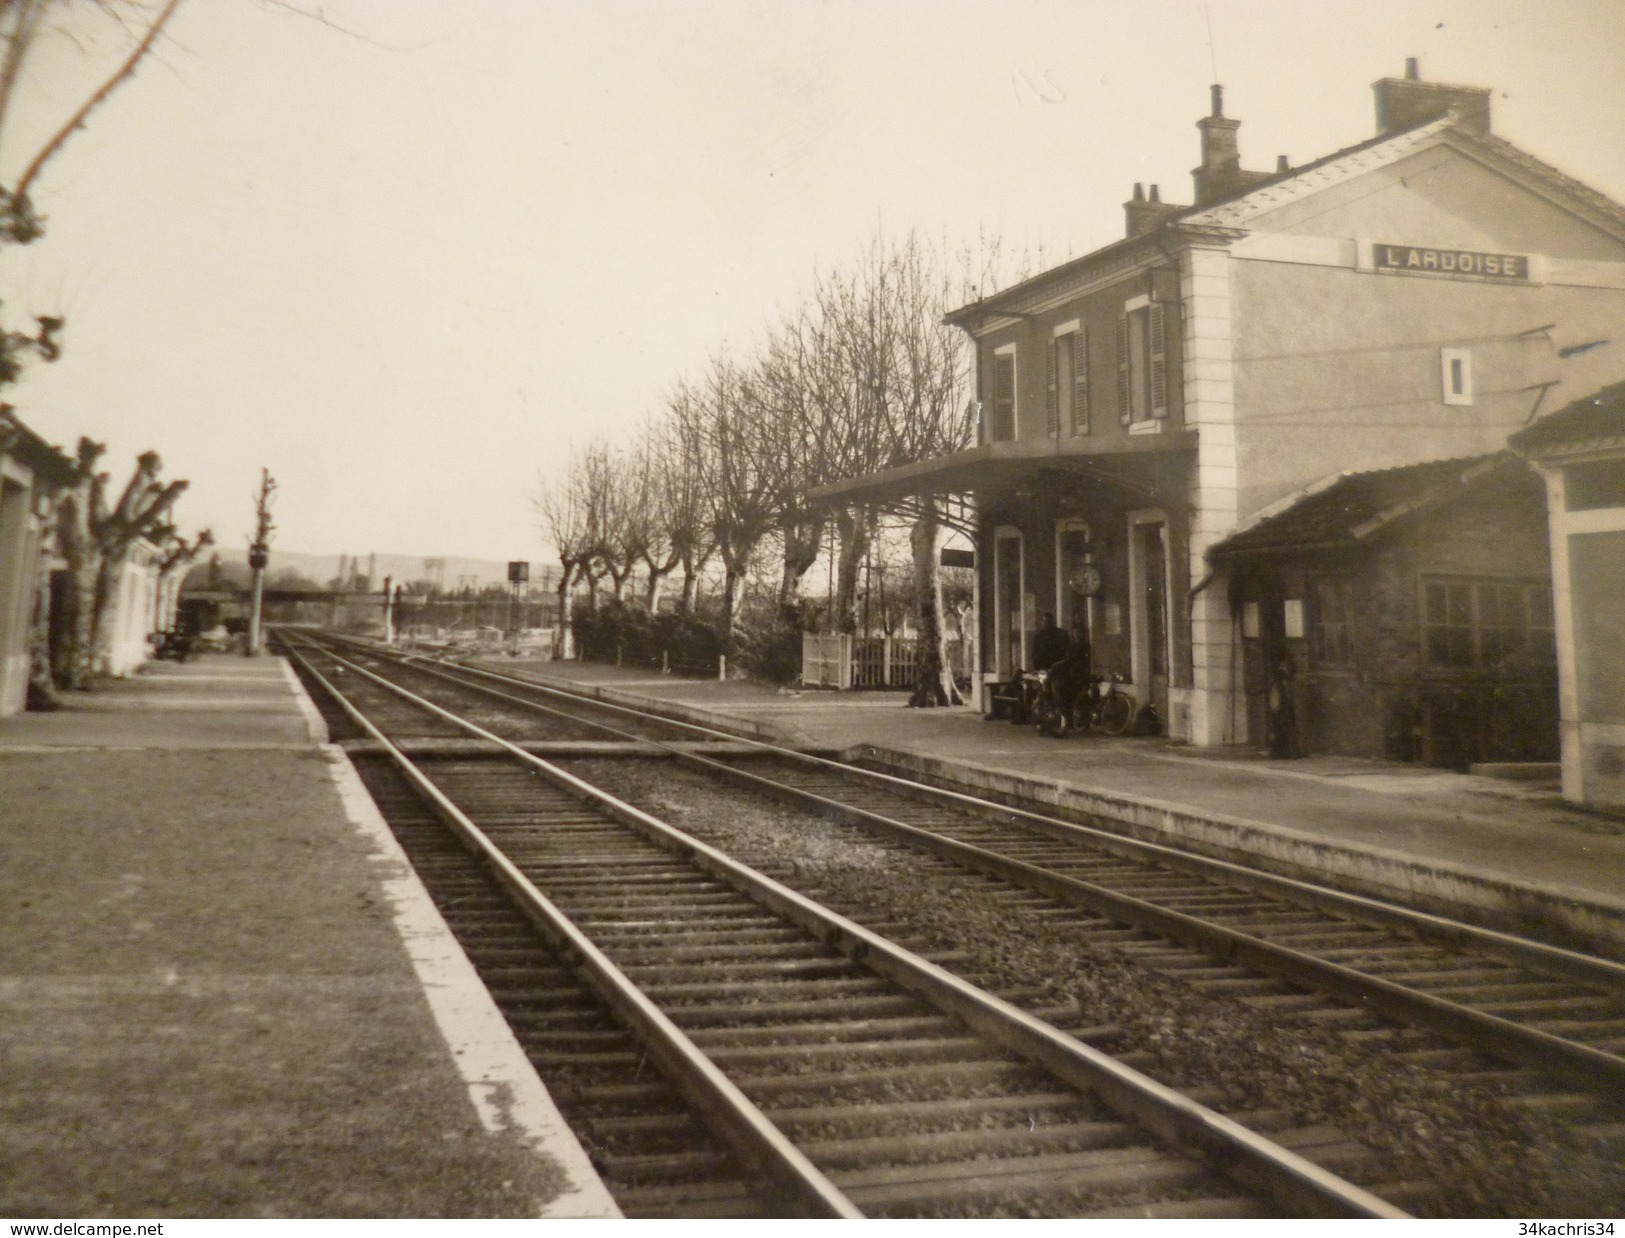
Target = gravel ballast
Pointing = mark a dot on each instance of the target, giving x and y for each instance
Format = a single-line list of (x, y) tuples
[(1483, 1156)]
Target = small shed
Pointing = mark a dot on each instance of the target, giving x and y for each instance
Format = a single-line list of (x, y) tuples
[(1401, 613)]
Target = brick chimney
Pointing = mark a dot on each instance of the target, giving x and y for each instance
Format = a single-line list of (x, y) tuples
[(1404, 103), (1221, 175), (1147, 214)]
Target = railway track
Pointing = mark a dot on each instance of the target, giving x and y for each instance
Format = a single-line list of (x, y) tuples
[(1544, 1024), (824, 1068)]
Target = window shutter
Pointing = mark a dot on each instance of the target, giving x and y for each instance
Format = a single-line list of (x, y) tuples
[(1124, 410), (1004, 397), (1052, 416), (1157, 327), (980, 378), (1080, 381)]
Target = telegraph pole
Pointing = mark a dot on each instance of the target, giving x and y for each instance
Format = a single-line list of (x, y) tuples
[(259, 554)]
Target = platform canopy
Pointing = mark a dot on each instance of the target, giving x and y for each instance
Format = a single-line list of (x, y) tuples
[(1008, 466)]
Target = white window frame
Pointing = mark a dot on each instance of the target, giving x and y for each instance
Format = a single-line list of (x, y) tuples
[(1063, 526), (1067, 426), (1006, 350), (1138, 622), (1003, 535), (1156, 345), (1454, 361)]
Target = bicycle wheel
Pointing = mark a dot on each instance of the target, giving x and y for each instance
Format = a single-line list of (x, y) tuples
[(1116, 713)]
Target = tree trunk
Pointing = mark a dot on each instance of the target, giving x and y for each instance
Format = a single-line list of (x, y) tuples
[(103, 611), (935, 684), (567, 636), (691, 586), (856, 528), (42, 691), (731, 576), (71, 660), (802, 540)]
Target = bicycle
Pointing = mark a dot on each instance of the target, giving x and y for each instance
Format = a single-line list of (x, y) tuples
[(1112, 712)]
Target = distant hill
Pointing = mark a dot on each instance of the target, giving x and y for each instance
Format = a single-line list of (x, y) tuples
[(402, 569)]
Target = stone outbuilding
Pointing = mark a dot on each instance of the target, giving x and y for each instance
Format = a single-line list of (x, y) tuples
[(1402, 614)]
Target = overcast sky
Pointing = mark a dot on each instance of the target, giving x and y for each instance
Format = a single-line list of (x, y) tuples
[(405, 260)]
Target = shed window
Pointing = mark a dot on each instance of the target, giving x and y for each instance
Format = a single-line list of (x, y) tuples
[(1331, 609), (1485, 624)]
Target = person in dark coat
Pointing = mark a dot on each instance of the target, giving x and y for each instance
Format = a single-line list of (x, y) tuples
[(1070, 675), (1050, 645)]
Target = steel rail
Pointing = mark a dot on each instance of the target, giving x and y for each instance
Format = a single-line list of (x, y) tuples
[(1293, 1182), (746, 1129), (1439, 930), (1562, 1058)]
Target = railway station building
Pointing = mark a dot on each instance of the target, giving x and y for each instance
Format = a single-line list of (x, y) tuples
[(1413, 299)]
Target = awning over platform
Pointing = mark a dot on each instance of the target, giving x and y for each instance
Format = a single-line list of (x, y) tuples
[(994, 466)]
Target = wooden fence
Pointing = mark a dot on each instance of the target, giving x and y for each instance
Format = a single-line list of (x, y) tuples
[(839, 660)]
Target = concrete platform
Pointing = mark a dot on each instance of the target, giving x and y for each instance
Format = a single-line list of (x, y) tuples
[(1509, 854), (225, 994)]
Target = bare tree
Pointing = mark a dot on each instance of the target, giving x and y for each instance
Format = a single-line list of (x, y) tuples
[(677, 450), (667, 510), (792, 439), (855, 317), (924, 419), (723, 407), (567, 522), (95, 542), (906, 379), (23, 24), (175, 557)]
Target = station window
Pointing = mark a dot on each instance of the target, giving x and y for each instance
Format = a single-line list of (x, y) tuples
[(1142, 365), (1069, 381), (1456, 374), (1004, 394), (1483, 624)]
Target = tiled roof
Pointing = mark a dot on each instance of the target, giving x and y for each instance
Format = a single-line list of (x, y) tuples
[(1352, 509), (1282, 187), (1311, 178), (1599, 416)]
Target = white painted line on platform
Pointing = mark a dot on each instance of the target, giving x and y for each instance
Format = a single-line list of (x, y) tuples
[(502, 1083), (315, 724), (180, 745), (268, 677), (266, 703)]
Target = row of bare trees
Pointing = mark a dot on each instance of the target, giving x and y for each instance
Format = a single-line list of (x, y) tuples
[(861, 377), (94, 540), (94, 534)]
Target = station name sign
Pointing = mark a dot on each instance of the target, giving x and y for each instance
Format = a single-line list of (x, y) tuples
[(1416, 258)]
